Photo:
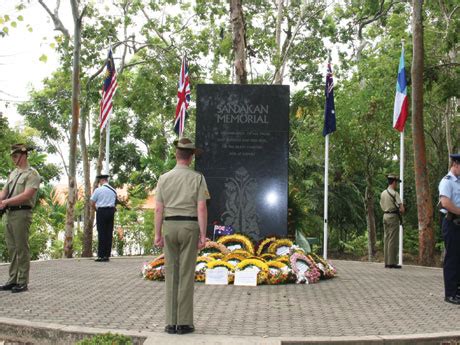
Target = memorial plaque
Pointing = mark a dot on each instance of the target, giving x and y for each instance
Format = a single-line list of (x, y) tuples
[(244, 132)]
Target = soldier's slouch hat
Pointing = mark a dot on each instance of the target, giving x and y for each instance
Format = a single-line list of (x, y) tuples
[(20, 148)]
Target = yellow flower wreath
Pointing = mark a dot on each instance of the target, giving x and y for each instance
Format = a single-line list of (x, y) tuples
[(278, 244), (263, 246), (238, 239)]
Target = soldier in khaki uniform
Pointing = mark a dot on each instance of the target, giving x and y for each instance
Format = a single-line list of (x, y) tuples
[(180, 226), (392, 207), (17, 200)]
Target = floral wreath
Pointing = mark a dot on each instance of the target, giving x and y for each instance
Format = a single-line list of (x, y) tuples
[(200, 268), (213, 247), (279, 273), (281, 245), (268, 257), (263, 246), (326, 267), (225, 264), (242, 252), (237, 240), (284, 259), (217, 256), (155, 270), (310, 275), (234, 258), (262, 275)]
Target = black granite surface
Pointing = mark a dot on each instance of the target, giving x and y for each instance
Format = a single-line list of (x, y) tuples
[(243, 130)]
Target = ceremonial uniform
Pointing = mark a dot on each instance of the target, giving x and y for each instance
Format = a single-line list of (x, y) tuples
[(449, 187), (390, 202), (18, 219), (179, 192), (104, 199)]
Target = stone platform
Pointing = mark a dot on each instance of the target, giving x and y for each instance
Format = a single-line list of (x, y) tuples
[(366, 303)]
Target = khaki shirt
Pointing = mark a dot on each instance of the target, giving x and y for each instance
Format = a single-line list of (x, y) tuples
[(29, 179), (387, 202), (179, 190)]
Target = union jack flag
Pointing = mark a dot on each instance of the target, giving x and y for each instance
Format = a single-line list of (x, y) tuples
[(183, 98), (108, 90)]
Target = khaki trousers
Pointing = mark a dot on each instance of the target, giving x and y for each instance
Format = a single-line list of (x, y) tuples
[(181, 241), (391, 240), (17, 241)]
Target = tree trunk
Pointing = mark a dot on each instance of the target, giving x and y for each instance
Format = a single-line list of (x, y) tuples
[(72, 196), (370, 219), (239, 41), (422, 188), (279, 19), (87, 250)]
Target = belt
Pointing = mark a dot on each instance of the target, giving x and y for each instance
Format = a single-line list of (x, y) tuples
[(20, 207), (106, 208), (181, 218), (391, 212)]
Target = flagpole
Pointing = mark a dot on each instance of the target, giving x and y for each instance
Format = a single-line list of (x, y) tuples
[(107, 146), (326, 187), (401, 186), (401, 193)]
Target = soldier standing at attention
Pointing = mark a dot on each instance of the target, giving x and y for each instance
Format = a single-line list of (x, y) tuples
[(180, 227), (392, 208), (103, 200), (449, 196), (17, 200)]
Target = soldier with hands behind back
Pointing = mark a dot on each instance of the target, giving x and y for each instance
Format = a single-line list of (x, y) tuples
[(392, 208)]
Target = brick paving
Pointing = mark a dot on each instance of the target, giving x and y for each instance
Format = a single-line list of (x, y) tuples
[(364, 299)]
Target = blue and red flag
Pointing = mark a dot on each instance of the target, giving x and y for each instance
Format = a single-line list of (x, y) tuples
[(223, 230), (401, 107), (183, 98), (108, 90), (329, 109)]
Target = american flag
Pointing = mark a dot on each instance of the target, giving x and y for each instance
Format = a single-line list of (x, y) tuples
[(329, 111), (183, 98), (108, 90)]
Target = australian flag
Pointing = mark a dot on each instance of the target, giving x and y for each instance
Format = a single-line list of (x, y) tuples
[(329, 110), (183, 98), (221, 230)]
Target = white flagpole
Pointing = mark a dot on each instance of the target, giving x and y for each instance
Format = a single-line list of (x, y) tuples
[(326, 185), (401, 186), (401, 193), (107, 146)]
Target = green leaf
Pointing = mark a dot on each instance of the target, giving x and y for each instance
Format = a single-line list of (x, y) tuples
[(5, 29), (7, 17), (52, 45), (20, 18), (43, 58), (14, 24)]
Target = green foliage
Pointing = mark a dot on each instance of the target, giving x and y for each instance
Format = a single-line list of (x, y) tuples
[(107, 339)]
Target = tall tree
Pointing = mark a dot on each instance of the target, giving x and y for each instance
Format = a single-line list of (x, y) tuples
[(239, 41), (424, 203)]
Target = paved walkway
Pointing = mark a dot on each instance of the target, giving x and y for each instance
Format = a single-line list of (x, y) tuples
[(364, 300)]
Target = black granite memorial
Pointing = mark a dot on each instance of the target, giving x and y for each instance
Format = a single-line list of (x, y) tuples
[(243, 130)]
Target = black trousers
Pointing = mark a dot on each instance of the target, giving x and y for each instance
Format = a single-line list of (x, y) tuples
[(451, 235), (104, 223)]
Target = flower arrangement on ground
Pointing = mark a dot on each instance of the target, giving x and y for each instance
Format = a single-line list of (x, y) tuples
[(277, 261), (258, 265), (237, 241)]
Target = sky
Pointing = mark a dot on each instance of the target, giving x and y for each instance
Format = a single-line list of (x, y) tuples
[(20, 51)]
